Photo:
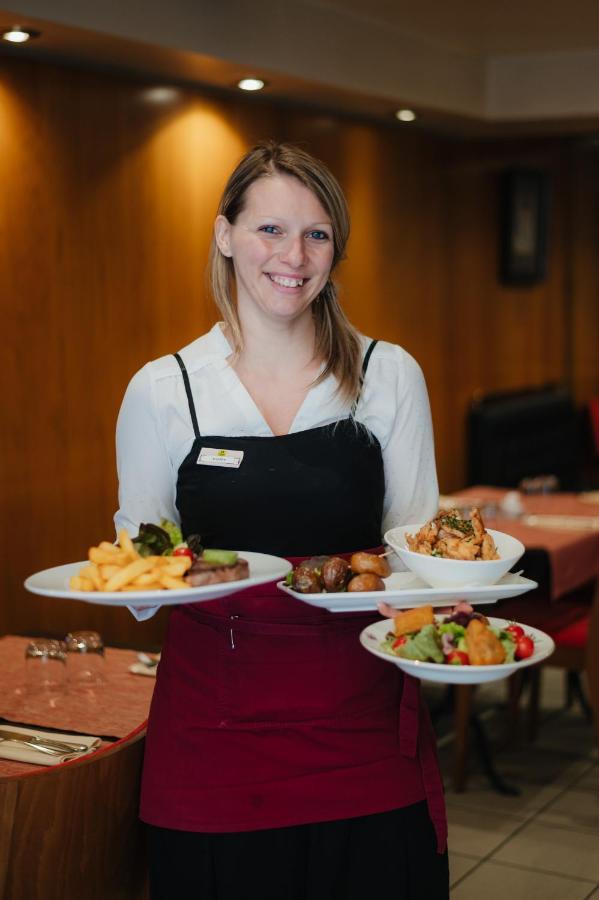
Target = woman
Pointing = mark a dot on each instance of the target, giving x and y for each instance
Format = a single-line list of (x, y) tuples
[(281, 757)]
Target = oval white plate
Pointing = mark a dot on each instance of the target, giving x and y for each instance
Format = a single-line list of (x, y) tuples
[(404, 590), (372, 636), (55, 583)]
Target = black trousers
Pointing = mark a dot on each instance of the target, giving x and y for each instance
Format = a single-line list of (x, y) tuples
[(390, 853)]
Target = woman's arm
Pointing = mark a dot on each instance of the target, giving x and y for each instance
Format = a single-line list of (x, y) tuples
[(412, 491), (147, 481)]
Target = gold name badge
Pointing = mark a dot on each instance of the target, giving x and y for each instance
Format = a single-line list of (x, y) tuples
[(212, 456)]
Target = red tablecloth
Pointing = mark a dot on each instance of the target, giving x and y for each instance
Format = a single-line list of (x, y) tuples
[(113, 710), (573, 555)]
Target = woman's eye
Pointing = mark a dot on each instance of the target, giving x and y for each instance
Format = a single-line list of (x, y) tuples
[(318, 235), (269, 229)]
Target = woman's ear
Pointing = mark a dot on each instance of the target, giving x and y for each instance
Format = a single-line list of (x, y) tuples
[(222, 235)]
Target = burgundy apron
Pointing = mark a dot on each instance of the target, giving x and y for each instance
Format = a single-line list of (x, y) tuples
[(267, 712)]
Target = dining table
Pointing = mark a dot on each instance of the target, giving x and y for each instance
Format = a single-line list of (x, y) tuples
[(71, 830), (562, 526), (560, 534)]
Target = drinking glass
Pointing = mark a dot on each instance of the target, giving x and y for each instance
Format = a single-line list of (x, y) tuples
[(541, 484), (45, 663), (85, 658)]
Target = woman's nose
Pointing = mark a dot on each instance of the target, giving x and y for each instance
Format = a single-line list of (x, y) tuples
[(294, 251)]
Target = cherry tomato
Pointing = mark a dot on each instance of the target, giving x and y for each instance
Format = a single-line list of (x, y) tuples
[(524, 647), (457, 658), (399, 641), (516, 631), (184, 551)]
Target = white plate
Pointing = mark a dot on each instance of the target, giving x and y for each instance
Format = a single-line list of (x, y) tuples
[(404, 590), (55, 583), (373, 635)]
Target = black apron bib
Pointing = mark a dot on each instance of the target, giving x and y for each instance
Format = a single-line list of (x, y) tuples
[(318, 491)]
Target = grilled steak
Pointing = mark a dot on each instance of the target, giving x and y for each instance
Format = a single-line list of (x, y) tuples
[(203, 573)]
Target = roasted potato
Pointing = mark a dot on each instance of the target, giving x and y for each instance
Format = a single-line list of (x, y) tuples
[(366, 582), (335, 573), (369, 563), (306, 580)]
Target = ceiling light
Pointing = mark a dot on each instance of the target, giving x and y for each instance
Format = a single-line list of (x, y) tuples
[(251, 84), (405, 115), (161, 94), (18, 35)]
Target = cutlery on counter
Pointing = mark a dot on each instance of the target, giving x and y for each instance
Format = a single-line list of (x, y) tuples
[(45, 745)]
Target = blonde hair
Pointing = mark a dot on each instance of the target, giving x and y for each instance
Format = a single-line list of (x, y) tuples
[(337, 341)]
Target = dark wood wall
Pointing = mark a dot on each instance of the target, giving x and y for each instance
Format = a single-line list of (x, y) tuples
[(107, 196)]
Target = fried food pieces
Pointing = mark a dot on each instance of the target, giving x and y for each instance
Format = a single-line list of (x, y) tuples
[(450, 536), (413, 620), (484, 648), (464, 638), (121, 568)]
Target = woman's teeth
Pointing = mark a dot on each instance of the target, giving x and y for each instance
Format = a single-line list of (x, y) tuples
[(286, 282)]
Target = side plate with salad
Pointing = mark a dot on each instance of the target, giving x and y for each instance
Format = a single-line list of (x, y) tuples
[(379, 638)]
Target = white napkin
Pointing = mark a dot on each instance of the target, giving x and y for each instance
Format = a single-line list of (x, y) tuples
[(140, 668), (569, 523), (21, 752), (147, 664)]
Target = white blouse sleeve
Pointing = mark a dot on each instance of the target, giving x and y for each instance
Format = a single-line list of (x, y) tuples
[(146, 476), (412, 491), (147, 481)]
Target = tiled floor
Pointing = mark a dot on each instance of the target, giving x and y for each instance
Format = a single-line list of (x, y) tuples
[(543, 843)]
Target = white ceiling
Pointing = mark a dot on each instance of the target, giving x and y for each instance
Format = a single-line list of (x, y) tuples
[(484, 61), (488, 27)]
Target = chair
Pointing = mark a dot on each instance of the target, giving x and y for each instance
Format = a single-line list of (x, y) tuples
[(576, 651), (573, 622), (521, 434), (594, 420), (590, 442), (510, 436)]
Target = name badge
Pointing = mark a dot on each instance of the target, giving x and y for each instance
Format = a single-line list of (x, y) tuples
[(228, 459)]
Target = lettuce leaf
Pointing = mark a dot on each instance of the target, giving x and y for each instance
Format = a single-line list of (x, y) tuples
[(424, 645)]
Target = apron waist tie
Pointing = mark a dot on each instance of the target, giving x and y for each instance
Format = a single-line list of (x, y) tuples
[(416, 733)]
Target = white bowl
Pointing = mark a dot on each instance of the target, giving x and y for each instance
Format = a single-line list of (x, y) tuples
[(439, 572), (372, 637)]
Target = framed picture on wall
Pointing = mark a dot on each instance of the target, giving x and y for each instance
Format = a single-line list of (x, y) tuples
[(524, 210)]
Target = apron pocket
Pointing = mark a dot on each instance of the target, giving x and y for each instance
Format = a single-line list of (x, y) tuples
[(286, 673)]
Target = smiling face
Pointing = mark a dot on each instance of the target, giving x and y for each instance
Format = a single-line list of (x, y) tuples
[(281, 246)]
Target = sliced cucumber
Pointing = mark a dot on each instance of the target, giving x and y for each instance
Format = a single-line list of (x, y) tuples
[(220, 557)]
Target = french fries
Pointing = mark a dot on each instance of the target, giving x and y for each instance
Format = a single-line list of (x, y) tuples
[(121, 568)]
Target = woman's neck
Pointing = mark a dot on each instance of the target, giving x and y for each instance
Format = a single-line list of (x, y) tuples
[(273, 347), (277, 366)]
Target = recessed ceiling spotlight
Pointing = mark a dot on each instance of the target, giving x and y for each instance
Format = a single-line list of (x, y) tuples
[(251, 84), (161, 94), (18, 35), (405, 115)]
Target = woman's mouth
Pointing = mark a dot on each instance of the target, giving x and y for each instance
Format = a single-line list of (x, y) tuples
[(286, 281)]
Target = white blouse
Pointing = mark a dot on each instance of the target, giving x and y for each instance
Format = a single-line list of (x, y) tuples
[(155, 434)]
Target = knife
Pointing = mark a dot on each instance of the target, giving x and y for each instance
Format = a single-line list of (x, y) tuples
[(39, 743)]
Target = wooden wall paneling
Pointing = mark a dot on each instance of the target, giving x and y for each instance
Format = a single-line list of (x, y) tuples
[(123, 193), (401, 244), (499, 337), (109, 192)]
